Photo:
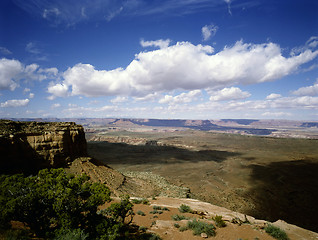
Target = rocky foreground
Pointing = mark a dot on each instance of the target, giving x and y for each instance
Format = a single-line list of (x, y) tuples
[(238, 226)]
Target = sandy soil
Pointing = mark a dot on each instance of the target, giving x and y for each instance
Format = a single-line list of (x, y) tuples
[(163, 225)]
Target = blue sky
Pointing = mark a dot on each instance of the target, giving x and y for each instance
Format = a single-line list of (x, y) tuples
[(194, 59)]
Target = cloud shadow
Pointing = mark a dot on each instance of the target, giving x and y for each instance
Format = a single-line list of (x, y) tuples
[(287, 191), (121, 153)]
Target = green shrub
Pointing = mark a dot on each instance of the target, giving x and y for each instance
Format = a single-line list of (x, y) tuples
[(165, 209), (219, 222), (147, 236), (155, 237), (177, 217), (141, 213), (185, 209), (276, 232), (142, 229), (121, 211), (199, 227), (55, 204), (136, 201), (156, 212), (176, 225), (16, 235), (76, 234), (183, 228), (156, 208), (140, 201)]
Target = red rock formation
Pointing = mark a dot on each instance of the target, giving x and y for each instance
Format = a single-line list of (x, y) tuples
[(29, 146)]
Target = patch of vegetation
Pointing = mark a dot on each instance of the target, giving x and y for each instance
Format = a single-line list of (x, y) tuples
[(76, 234), (15, 235), (142, 228), (219, 222), (177, 217), (185, 209), (165, 209), (120, 211), (176, 225), (156, 208), (54, 204), (183, 228), (147, 236), (140, 201), (276, 232), (155, 237), (156, 212), (141, 213), (199, 227)]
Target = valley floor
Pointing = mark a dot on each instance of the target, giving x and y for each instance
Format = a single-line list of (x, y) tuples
[(267, 178)]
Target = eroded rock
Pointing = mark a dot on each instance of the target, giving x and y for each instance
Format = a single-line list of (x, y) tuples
[(29, 146)]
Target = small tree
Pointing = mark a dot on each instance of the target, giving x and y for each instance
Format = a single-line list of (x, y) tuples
[(51, 202), (121, 211)]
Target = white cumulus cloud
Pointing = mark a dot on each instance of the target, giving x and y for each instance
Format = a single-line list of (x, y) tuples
[(273, 96), (308, 91), (57, 90), (184, 66), (209, 31), (56, 105), (276, 114), (119, 99), (15, 103), (12, 71), (181, 98), (232, 93), (158, 43)]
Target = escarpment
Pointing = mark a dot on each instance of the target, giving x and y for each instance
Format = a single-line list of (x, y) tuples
[(26, 147), (29, 146)]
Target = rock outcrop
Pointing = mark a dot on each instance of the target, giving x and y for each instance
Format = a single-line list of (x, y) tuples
[(29, 146)]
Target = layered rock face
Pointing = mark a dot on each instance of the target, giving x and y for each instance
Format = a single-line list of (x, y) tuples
[(29, 146)]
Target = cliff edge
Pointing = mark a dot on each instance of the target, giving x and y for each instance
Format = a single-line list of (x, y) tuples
[(30, 146)]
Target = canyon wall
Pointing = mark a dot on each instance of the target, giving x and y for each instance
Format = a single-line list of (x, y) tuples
[(29, 146)]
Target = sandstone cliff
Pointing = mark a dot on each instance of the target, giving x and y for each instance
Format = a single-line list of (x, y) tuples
[(29, 146)]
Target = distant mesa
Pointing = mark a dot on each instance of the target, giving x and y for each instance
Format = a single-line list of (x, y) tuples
[(309, 124), (240, 121), (203, 125)]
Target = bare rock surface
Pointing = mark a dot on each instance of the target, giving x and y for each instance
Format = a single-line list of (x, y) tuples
[(294, 232)]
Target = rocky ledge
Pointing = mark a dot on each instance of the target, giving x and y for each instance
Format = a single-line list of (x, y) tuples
[(29, 146)]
